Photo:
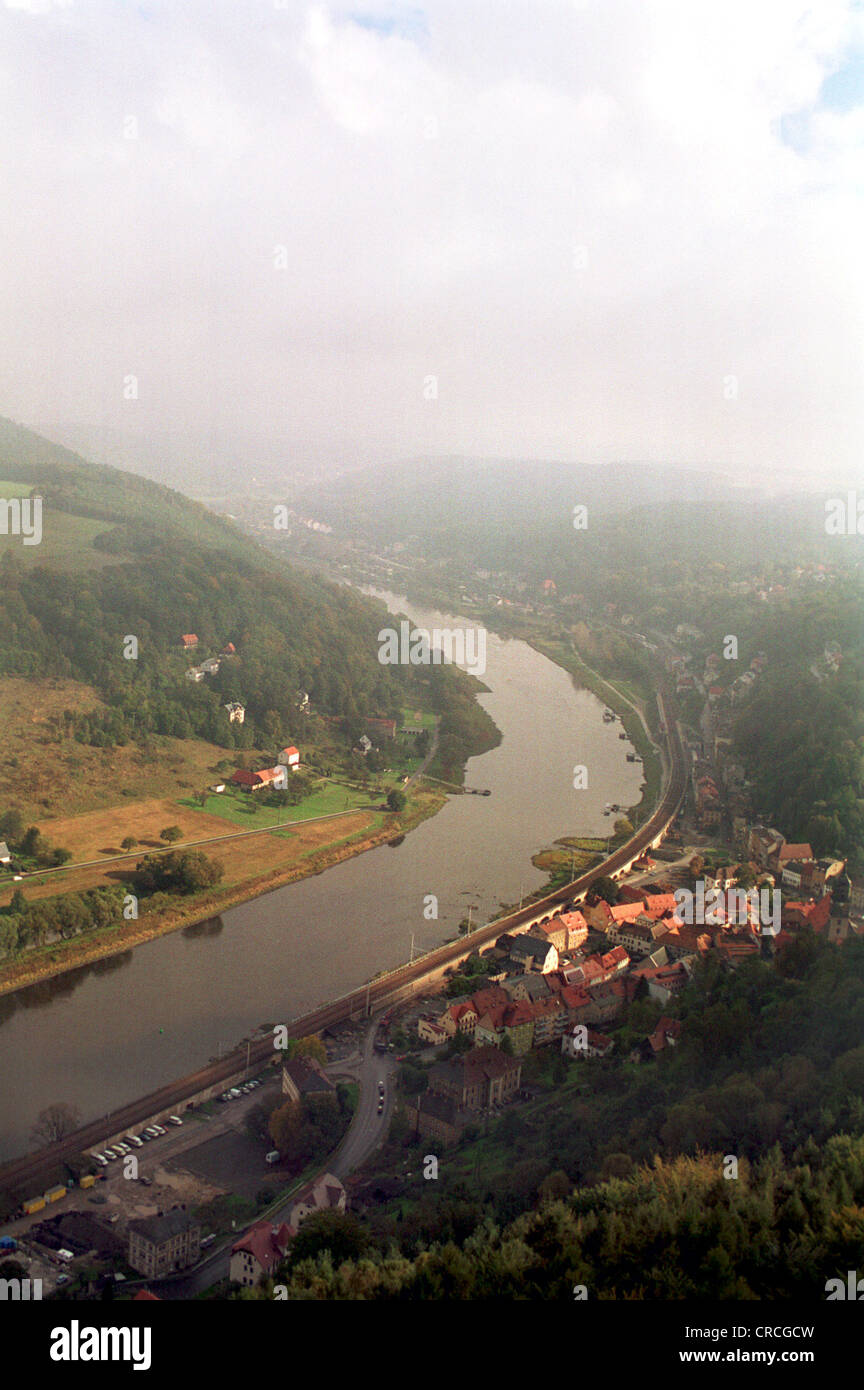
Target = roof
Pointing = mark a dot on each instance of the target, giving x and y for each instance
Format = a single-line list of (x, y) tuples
[(325, 1192), (158, 1229), (308, 1075), (528, 945), (265, 1242), (788, 851), (4, 850)]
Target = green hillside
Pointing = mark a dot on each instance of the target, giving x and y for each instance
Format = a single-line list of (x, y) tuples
[(123, 557)]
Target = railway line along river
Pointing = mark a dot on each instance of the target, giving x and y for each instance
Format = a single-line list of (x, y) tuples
[(98, 1037)]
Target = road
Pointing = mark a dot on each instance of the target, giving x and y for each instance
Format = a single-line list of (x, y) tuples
[(366, 1133)]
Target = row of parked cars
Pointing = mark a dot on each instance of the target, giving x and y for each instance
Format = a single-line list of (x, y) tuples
[(237, 1091), (134, 1141)]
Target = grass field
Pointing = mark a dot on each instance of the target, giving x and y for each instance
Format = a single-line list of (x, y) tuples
[(10, 489), (247, 813), (67, 543), (48, 777)]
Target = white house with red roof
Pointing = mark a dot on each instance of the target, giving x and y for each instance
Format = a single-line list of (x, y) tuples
[(256, 1254)]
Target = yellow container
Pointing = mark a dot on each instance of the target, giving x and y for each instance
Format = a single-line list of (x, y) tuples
[(88, 1180), (54, 1194), (35, 1204)]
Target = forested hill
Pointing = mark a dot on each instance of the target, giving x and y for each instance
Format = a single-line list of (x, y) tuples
[(123, 557)]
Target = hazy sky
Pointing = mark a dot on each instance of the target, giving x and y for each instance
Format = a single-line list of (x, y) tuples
[(608, 228)]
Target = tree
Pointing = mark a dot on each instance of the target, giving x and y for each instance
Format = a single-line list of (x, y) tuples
[(396, 800), (53, 1123), (605, 888), (129, 842), (339, 1232), (171, 834)]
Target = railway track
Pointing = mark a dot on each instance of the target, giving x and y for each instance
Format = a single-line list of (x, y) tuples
[(29, 1175)]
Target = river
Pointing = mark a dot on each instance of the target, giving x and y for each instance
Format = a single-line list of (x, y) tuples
[(99, 1036)]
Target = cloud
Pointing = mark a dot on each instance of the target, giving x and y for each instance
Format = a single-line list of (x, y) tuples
[(580, 218)]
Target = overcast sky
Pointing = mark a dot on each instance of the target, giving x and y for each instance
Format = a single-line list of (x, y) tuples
[(607, 228)]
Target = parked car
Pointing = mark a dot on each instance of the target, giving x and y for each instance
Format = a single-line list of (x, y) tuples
[(111, 1155), (160, 1129), (62, 1279), (208, 1240), (174, 1120), (133, 1139), (101, 1160), (148, 1182)]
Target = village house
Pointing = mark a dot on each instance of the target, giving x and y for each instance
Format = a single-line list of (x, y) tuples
[(436, 1117), (431, 1030), (236, 712), (290, 756), (268, 777), (195, 673), (530, 952), (478, 1079), (526, 987), (5, 854), (460, 1017), (189, 640), (581, 1044), (324, 1193), (550, 1020), (256, 1254), (210, 667), (305, 1076), (159, 1245)]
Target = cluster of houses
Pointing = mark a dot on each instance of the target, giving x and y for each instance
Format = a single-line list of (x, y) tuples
[(272, 778), (566, 981), (264, 1246)]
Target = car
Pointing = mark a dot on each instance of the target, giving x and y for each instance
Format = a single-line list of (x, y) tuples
[(110, 1155), (147, 1136), (152, 1131), (101, 1160), (224, 1096), (123, 1148), (62, 1279), (174, 1120), (148, 1182), (160, 1129), (235, 1092), (133, 1139), (380, 1088), (208, 1240), (65, 1255), (381, 1107)]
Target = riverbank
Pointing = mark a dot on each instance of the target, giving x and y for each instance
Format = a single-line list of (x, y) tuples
[(46, 962)]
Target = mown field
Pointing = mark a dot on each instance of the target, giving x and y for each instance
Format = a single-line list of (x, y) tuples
[(49, 777)]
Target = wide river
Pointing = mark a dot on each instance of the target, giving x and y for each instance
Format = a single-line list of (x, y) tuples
[(98, 1037)]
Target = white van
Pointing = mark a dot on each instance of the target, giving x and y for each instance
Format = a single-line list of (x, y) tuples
[(273, 1156)]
